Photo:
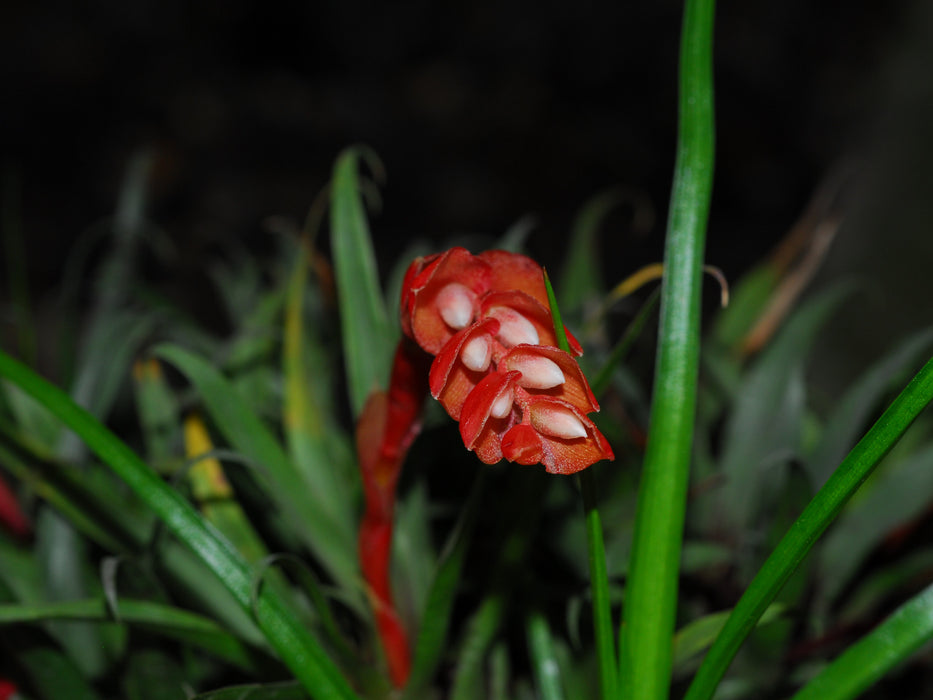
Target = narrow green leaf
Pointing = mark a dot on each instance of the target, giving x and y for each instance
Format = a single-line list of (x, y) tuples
[(544, 663), (300, 652), (814, 520), (651, 594), (309, 426), (166, 620), (865, 662), (309, 511), (368, 337)]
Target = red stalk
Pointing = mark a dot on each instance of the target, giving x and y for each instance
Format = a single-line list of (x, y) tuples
[(386, 428)]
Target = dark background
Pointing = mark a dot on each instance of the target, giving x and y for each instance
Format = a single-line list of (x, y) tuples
[(482, 113)]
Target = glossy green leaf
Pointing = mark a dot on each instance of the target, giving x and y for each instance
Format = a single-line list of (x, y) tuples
[(300, 652), (885, 647), (368, 336), (651, 593), (817, 516)]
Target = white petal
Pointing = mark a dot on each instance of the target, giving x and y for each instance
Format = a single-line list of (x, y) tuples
[(476, 353), (537, 372), (558, 423), (455, 303), (502, 406), (514, 329)]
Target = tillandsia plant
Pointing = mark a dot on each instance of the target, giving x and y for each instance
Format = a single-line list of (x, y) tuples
[(271, 530)]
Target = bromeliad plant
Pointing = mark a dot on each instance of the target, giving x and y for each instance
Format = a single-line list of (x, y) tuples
[(276, 540)]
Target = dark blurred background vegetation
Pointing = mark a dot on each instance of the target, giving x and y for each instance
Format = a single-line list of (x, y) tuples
[(483, 113)]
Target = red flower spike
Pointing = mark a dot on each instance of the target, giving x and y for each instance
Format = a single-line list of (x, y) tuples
[(497, 368), (385, 430)]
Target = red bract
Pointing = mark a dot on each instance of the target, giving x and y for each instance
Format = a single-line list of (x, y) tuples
[(497, 369), (386, 428)]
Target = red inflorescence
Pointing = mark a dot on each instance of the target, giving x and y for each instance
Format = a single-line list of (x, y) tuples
[(497, 369)]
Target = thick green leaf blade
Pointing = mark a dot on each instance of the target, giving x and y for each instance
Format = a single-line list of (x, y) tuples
[(814, 520), (300, 652), (368, 337), (309, 510), (651, 594), (875, 654)]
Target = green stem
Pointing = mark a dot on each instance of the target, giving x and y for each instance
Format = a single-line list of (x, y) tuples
[(599, 581), (651, 594)]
